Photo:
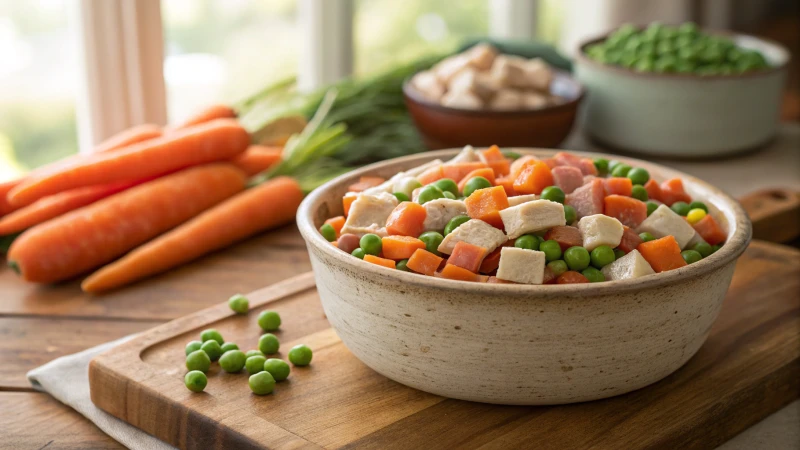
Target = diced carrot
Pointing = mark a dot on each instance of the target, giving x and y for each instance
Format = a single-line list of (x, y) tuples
[(672, 191), (508, 185), (484, 172), (431, 175), (400, 247), (337, 223), (628, 210), (709, 229), (549, 276), (566, 236), (424, 262), (380, 261), (406, 219), (493, 153), (496, 280), (533, 179), (618, 186), (630, 240), (587, 166), (457, 171), (335, 244), (491, 262), (467, 256), (571, 277), (453, 272), (347, 201), (486, 204), (365, 183), (662, 254), (519, 164), (653, 190), (500, 168)]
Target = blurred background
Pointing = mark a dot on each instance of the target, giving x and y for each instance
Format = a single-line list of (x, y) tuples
[(174, 56)]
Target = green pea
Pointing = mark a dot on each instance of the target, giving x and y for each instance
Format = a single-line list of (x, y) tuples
[(358, 253), (637, 175), (714, 248), (277, 368), (691, 256), (212, 349), (269, 320), (268, 344), (371, 244), (211, 334), (407, 185), (618, 253), (195, 381), (527, 241), (646, 237), (198, 360), (255, 364), (570, 214), (262, 383), (620, 170), (454, 223), (602, 256), (401, 197), (450, 195), (250, 353), (228, 346), (593, 275), (639, 193), (612, 164), (402, 265), (698, 205), (511, 155), (557, 267), (681, 208), (474, 184), (428, 193), (651, 206), (551, 249), (239, 304), (300, 355), (232, 361), (447, 185), (703, 248), (432, 240), (554, 194), (601, 164), (193, 346), (328, 232), (577, 258)]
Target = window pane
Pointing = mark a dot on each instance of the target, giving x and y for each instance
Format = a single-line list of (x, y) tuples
[(37, 84), (225, 50), (390, 31)]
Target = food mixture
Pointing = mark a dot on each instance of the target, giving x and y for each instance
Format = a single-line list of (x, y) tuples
[(490, 216)]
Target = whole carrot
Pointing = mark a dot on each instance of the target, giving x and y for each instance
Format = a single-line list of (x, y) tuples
[(260, 208), (257, 158), (208, 114), (217, 140), (96, 234)]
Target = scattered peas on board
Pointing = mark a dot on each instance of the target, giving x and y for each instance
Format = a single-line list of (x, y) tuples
[(269, 320), (255, 364), (232, 361), (198, 360), (262, 383), (239, 304), (300, 355), (212, 349), (228, 346), (195, 380), (211, 334), (268, 344), (193, 347), (277, 368)]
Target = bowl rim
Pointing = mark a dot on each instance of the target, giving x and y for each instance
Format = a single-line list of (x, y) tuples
[(583, 58), (728, 253), (413, 95)]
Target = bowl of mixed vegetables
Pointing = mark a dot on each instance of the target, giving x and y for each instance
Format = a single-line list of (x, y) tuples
[(681, 91), (522, 276)]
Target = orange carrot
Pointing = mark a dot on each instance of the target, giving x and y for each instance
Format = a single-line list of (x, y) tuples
[(493, 153), (337, 223), (497, 161), (485, 172), (453, 272), (662, 254), (96, 234), (491, 262), (365, 183), (430, 175), (571, 277), (388, 263), (618, 186), (467, 256), (207, 115), (486, 204), (708, 229), (457, 171), (424, 262), (407, 219), (400, 247), (209, 142), (533, 178), (347, 202), (628, 210), (653, 190), (508, 185), (257, 158), (496, 280), (268, 205), (672, 191)]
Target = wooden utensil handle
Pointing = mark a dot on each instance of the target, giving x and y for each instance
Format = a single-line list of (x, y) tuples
[(775, 214)]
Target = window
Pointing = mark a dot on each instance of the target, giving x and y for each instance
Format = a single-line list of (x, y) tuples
[(37, 85)]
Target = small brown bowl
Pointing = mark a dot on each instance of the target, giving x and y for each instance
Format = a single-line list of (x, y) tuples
[(445, 127)]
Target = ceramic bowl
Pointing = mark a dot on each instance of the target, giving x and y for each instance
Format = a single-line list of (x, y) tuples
[(520, 344), (445, 127), (684, 116)]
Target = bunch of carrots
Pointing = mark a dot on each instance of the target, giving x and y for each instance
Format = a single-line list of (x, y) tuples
[(147, 200)]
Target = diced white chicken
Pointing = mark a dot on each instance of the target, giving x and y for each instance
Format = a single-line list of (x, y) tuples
[(538, 74), (415, 195), (428, 84), (520, 199), (534, 100), (506, 99), (440, 211), (475, 232), (395, 184), (405, 184), (599, 229), (462, 100), (419, 169), (664, 222), (505, 72), (467, 81), (482, 56), (467, 154), (632, 265), (532, 216), (449, 67), (368, 214), (521, 265)]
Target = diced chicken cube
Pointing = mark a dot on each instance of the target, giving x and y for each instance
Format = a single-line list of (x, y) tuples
[(441, 211), (587, 199), (475, 232), (532, 216), (534, 100), (567, 178), (664, 222), (506, 99), (506, 73), (419, 169), (467, 81), (368, 214), (467, 154), (447, 68), (597, 230), (632, 265), (482, 56), (521, 265), (520, 199), (462, 100), (538, 74), (428, 84)]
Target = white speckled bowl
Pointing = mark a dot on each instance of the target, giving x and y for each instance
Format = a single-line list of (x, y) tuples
[(516, 344)]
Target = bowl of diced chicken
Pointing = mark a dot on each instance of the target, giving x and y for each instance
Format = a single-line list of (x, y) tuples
[(482, 97), (528, 342)]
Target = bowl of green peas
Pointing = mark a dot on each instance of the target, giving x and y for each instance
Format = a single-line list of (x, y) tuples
[(679, 91)]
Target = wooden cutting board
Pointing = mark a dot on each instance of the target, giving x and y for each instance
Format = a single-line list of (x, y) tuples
[(747, 369)]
